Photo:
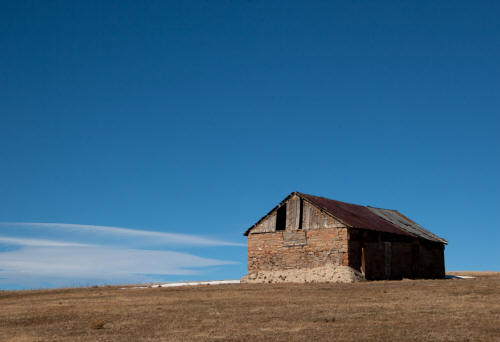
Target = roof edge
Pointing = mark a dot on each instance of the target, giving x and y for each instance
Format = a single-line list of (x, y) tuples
[(443, 240)]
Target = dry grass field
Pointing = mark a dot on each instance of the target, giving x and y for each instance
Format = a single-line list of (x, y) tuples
[(408, 310)]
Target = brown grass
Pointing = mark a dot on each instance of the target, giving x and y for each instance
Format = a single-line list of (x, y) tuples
[(408, 310), (96, 324)]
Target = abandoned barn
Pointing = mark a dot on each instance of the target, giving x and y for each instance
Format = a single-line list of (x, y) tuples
[(306, 232)]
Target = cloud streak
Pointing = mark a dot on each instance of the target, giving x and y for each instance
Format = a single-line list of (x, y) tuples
[(150, 236), (65, 265), (39, 242), (34, 255)]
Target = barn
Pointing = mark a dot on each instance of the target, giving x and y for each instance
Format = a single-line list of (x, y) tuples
[(311, 235)]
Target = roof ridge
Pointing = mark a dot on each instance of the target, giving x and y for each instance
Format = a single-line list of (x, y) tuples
[(329, 199), (369, 206)]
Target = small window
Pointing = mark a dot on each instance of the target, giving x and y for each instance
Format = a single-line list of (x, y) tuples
[(281, 218)]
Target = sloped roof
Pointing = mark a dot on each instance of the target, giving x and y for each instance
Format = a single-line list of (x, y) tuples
[(353, 215), (405, 223), (364, 217)]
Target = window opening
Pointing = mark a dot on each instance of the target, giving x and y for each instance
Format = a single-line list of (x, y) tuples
[(301, 213), (281, 218)]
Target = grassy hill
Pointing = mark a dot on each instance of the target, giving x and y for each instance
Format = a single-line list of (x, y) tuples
[(408, 310)]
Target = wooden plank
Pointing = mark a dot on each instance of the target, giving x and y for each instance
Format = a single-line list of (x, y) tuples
[(306, 216), (297, 214), (316, 219), (272, 223), (387, 259), (292, 213)]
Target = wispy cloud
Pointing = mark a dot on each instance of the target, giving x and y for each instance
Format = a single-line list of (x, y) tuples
[(62, 254), (64, 265), (148, 235), (39, 242)]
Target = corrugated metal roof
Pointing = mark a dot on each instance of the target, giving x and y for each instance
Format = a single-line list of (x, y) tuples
[(353, 215), (405, 223), (358, 216)]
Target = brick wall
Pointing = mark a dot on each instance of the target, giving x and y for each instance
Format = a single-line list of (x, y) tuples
[(297, 249)]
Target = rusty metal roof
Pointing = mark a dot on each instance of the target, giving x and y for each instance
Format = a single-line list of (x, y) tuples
[(353, 215), (364, 217)]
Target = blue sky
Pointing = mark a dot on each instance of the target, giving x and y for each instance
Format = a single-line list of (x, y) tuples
[(196, 118)]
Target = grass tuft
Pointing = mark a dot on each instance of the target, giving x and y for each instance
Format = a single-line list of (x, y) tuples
[(96, 324), (325, 319)]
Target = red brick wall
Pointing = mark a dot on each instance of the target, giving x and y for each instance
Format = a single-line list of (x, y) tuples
[(271, 252)]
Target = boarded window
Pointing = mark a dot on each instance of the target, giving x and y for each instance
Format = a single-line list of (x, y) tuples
[(281, 218), (294, 238)]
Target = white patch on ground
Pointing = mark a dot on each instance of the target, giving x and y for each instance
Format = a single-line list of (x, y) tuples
[(187, 283), (452, 276)]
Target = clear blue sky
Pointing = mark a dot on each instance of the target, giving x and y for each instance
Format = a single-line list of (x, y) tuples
[(196, 118)]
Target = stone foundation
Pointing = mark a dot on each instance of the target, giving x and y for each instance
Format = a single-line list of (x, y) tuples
[(324, 274)]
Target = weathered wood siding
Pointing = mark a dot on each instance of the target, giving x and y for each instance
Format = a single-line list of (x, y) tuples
[(313, 218), (268, 225)]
